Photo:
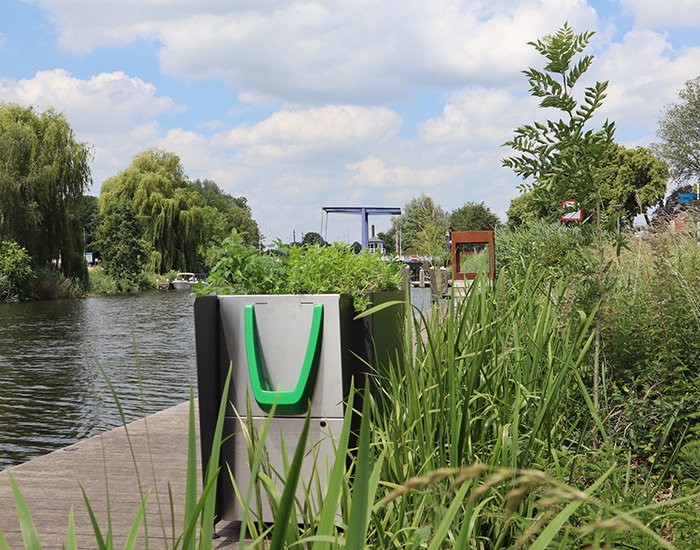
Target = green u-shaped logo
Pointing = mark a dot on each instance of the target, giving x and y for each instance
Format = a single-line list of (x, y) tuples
[(289, 402)]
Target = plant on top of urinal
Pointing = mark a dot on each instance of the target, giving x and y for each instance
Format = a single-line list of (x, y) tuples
[(309, 269)]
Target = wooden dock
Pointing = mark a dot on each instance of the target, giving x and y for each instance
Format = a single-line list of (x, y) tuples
[(50, 485)]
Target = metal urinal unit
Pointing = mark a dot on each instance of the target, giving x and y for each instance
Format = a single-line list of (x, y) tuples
[(300, 350)]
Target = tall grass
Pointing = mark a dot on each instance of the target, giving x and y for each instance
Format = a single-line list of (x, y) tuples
[(481, 434)]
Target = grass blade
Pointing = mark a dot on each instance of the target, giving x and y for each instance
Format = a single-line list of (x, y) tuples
[(134, 532), (330, 503), (360, 510), (29, 533), (284, 513), (72, 541)]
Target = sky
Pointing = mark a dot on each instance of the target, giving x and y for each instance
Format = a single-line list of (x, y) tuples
[(297, 105)]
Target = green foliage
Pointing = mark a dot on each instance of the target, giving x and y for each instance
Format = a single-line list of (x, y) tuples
[(634, 178), (167, 208), (222, 214), (476, 438), (311, 238), (313, 269), (336, 269), (101, 283), (650, 325), (419, 226), (51, 284), (563, 158), (123, 248), (44, 171), (473, 216), (528, 207), (680, 142), (88, 214), (242, 269), (16, 274), (563, 250)]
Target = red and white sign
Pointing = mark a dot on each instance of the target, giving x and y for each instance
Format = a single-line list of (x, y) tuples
[(571, 214)]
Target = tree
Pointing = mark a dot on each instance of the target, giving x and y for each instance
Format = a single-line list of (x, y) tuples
[(235, 211), (88, 214), (473, 216), (527, 207), (44, 170), (312, 238), (168, 210), (565, 158), (635, 179), (16, 273), (679, 132), (221, 215), (418, 215), (123, 249)]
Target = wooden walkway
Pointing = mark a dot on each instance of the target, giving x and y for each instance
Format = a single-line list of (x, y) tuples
[(50, 485)]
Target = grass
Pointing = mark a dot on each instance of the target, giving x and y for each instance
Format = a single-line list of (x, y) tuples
[(482, 435)]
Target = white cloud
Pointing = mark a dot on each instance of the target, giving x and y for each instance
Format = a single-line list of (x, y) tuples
[(111, 111), (107, 102), (370, 51), (644, 74), (331, 131), (479, 118), (669, 13)]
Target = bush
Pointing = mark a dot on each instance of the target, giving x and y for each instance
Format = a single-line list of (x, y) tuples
[(52, 284), (310, 269), (16, 274), (561, 249)]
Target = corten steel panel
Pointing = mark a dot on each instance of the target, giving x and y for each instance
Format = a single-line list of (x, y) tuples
[(471, 237)]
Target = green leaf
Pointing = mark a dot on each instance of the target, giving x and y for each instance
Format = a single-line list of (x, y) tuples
[(29, 532)]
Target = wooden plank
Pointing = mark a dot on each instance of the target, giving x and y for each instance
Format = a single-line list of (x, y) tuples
[(50, 485)]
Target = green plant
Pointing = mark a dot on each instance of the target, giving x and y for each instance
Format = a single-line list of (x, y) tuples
[(478, 438), (16, 272), (311, 269)]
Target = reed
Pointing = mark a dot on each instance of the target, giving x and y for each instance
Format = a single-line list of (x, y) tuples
[(482, 434)]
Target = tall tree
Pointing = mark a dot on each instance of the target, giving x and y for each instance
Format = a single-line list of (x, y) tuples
[(417, 212), (527, 207), (222, 214), (679, 132), (632, 178), (635, 179), (44, 170), (565, 157), (123, 249), (169, 211), (313, 238), (473, 216)]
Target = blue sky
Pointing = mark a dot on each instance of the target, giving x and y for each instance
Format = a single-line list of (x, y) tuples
[(298, 105)]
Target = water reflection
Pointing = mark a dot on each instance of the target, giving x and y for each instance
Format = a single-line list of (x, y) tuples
[(52, 393)]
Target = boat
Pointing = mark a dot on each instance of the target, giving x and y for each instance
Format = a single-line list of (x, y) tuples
[(185, 280)]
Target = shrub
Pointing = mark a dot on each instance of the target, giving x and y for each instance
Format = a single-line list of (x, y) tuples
[(310, 269), (16, 274), (563, 249)]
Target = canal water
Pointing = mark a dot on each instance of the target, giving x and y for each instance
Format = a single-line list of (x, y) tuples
[(52, 391)]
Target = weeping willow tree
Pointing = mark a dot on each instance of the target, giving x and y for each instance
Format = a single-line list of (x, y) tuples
[(169, 212), (44, 171)]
